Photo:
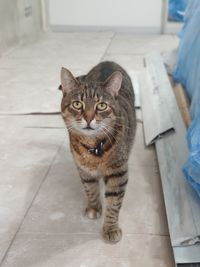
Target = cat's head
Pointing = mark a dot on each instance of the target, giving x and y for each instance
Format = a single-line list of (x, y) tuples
[(88, 107)]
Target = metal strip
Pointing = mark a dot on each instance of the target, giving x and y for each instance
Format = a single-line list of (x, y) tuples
[(156, 119), (187, 254), (135, 81)]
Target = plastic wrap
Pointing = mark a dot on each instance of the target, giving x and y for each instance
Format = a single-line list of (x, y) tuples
[(187, 72), (191, 169), (177, 9)]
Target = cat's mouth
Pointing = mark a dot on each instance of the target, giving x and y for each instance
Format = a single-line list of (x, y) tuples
[(88, 128)]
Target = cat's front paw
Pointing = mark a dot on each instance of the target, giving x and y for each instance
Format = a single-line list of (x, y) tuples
[(112, 234), (93, 213)]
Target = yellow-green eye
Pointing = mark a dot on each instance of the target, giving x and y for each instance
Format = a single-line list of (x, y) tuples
[(102, 106), (77, 105)]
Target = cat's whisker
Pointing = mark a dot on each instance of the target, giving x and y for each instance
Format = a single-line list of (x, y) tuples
[(110, 127), (70, 129), (119, 124), (113, 131), (116, 141), (107, 136), (70, 126), (106, 127)]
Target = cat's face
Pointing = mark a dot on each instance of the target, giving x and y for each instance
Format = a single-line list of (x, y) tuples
[(91, 108)]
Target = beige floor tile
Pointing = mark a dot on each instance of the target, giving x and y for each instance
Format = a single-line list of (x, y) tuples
[(128, 61), (59, 44), (143, 209), (45, 122), (138, 44), (5, 241), (35, 69), (30, 101), (54, 231), (26, 155), (142, 155), (60, 203), (14, 202), (31, 89), (26, 152), (72, 50), (79, 250)]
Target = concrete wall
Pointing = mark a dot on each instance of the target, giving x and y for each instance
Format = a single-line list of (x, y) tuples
[(20, 20), (139, 15)]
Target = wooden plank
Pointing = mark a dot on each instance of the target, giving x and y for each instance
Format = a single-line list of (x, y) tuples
[(183, 104)]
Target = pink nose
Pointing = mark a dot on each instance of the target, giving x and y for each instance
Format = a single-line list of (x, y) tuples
[(89, 116)]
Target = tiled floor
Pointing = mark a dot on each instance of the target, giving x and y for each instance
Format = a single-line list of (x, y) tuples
[(41, 198)]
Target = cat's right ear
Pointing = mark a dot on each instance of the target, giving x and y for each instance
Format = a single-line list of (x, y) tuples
[(68, 81)]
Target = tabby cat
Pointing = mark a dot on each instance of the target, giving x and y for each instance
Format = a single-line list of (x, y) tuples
[(98, 110)]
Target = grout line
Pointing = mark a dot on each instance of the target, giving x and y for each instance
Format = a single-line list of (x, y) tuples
[(10, 50), (30, 113), (148, 234), (108, 46), (36, 194), (44, 127), (128, 54), (47, 234)]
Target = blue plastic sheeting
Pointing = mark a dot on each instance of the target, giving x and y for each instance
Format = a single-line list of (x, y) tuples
[(191, 169), (177, 9), (187, 72)]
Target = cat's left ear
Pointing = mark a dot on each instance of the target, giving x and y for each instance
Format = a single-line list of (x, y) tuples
[(114, 83)]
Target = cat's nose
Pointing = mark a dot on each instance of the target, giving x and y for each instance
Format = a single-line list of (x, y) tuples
[(89, 116), (88, 124)]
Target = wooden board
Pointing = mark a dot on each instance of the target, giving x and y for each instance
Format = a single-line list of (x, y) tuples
[(183, 104)]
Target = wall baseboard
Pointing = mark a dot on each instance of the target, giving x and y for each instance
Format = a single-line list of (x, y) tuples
[(173, 27), (125, 29)]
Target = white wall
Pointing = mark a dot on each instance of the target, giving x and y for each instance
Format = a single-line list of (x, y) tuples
[(135, 14), (19, 20)]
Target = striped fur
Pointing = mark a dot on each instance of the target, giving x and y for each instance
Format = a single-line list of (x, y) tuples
[(106, 83)]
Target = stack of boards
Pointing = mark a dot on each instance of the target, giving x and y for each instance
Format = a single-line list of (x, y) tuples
[(165, 118)]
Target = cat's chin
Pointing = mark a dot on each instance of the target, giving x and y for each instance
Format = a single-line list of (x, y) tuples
[(90, 132)]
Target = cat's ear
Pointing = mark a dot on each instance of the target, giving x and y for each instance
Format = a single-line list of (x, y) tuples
[(113, 83), (68, 82)]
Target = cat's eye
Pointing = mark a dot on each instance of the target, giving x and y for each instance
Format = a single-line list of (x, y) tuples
[(77, 105), (102, 106)]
